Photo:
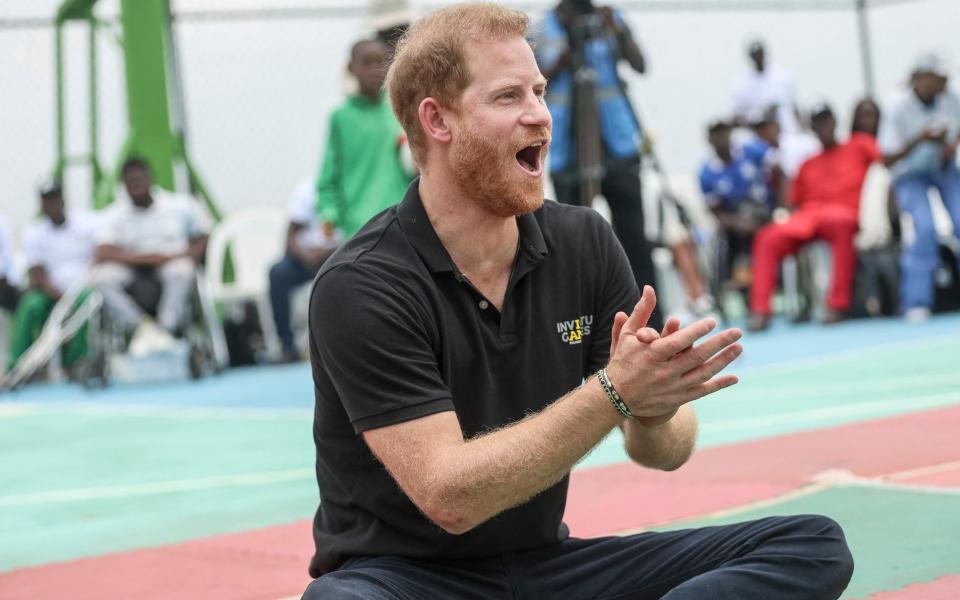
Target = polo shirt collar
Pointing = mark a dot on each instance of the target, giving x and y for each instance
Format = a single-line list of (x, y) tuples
[(420, 233)]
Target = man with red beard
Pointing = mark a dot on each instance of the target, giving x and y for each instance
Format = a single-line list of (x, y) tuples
[(471, 344)]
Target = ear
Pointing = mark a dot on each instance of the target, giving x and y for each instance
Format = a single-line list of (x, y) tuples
[(435, 120)]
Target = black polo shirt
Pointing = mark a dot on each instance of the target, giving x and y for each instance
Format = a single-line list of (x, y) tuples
[(398, 333)]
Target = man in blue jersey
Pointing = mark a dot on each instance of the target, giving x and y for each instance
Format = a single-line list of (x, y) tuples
[(736, 189)]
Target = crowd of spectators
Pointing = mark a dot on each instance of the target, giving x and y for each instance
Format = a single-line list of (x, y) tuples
[(769, 205), (779, 177)]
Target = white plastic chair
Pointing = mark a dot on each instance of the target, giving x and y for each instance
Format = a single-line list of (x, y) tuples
[(256, 238)]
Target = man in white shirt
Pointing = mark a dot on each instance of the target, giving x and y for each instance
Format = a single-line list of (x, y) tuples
[(8, 291), (59, 249), (309, 243), (919, 135), (765, 86), (157, 234)]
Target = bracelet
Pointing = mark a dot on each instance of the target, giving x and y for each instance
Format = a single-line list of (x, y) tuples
[(612, 394)]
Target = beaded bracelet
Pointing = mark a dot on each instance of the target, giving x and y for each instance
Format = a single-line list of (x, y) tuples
[(615, 399)]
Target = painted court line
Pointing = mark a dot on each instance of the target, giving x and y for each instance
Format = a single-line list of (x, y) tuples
[(807, 490), (821, 482), (103, 409), (907, 384), (923, 471), (16, 410), (831, 412), (163, 487), (852, 354)]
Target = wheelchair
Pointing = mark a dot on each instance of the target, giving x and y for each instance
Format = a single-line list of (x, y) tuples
[(202, 331)]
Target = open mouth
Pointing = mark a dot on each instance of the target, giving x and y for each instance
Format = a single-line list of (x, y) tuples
[(530, 159)]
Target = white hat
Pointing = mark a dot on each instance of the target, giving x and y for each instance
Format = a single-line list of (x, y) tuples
[(932, 63), (386, 14)]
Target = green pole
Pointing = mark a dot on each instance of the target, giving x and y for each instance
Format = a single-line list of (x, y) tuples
[(148, 109), (60, 165), (95, 173)]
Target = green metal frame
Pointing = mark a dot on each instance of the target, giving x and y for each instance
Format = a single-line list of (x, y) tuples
[(155, 132)]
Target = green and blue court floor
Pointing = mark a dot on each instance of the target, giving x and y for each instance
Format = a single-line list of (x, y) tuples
[(205, 489)]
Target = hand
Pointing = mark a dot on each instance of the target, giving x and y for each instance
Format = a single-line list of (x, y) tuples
[(648, 335), (948, 152), (314, 257), (655, 373), (608, 21), (932, 135), (328, 229)]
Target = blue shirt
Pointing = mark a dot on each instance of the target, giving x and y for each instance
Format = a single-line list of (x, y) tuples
[(727, 185), (618, 125), (764, 157)]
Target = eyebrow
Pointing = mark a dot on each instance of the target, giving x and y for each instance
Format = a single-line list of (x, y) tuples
[(503, 87)]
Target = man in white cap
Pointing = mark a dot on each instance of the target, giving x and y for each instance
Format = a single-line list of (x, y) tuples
[(918, 137)]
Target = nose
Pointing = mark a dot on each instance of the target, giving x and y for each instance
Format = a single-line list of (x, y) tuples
[(535, 112)]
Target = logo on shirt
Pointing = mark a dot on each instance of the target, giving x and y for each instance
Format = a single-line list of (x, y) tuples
[(572, 332)]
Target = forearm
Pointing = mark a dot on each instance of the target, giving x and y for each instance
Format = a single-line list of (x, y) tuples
[(890, 159), (665, 447), (198, 247), (119, 255), (633, 54), (499, 470)]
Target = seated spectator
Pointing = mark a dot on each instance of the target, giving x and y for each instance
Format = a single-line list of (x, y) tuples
[(8, 292), (362, 172), (155, 234), (59, 248), (878, 210), (738, 194), (919, 140), (826, 195), (308, 245)]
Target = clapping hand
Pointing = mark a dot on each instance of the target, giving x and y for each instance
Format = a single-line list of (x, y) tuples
[(658, 372)]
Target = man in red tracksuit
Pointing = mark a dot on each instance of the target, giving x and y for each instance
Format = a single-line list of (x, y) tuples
[(826, 195)]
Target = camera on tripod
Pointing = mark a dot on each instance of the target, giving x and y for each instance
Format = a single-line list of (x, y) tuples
[(586, 27)]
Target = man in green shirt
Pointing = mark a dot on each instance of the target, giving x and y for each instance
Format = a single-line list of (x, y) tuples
[(363, 172)]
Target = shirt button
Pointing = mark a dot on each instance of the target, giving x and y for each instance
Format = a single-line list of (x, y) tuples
[(484, 304)]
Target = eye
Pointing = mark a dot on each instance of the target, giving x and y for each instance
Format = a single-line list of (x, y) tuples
[(507, 96)]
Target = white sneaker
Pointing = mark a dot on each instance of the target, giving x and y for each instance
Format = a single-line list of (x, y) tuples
[(150, 338), (704, 306), (917, 314)]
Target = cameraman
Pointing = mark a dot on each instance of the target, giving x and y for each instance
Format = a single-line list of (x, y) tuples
[(578, 33)]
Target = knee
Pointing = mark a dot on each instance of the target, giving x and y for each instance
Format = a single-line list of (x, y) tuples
[(337, 586), (764, 239), (108, 275), (828, 546), (281, 274), (178, 269)]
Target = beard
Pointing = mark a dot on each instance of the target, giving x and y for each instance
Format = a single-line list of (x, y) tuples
[(488, 172)]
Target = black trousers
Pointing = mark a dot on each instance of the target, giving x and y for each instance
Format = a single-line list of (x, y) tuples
[(621, 187), (778, 558)]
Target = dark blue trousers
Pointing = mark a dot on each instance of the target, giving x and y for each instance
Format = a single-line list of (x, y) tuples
[(284, 277), (778, 558)]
